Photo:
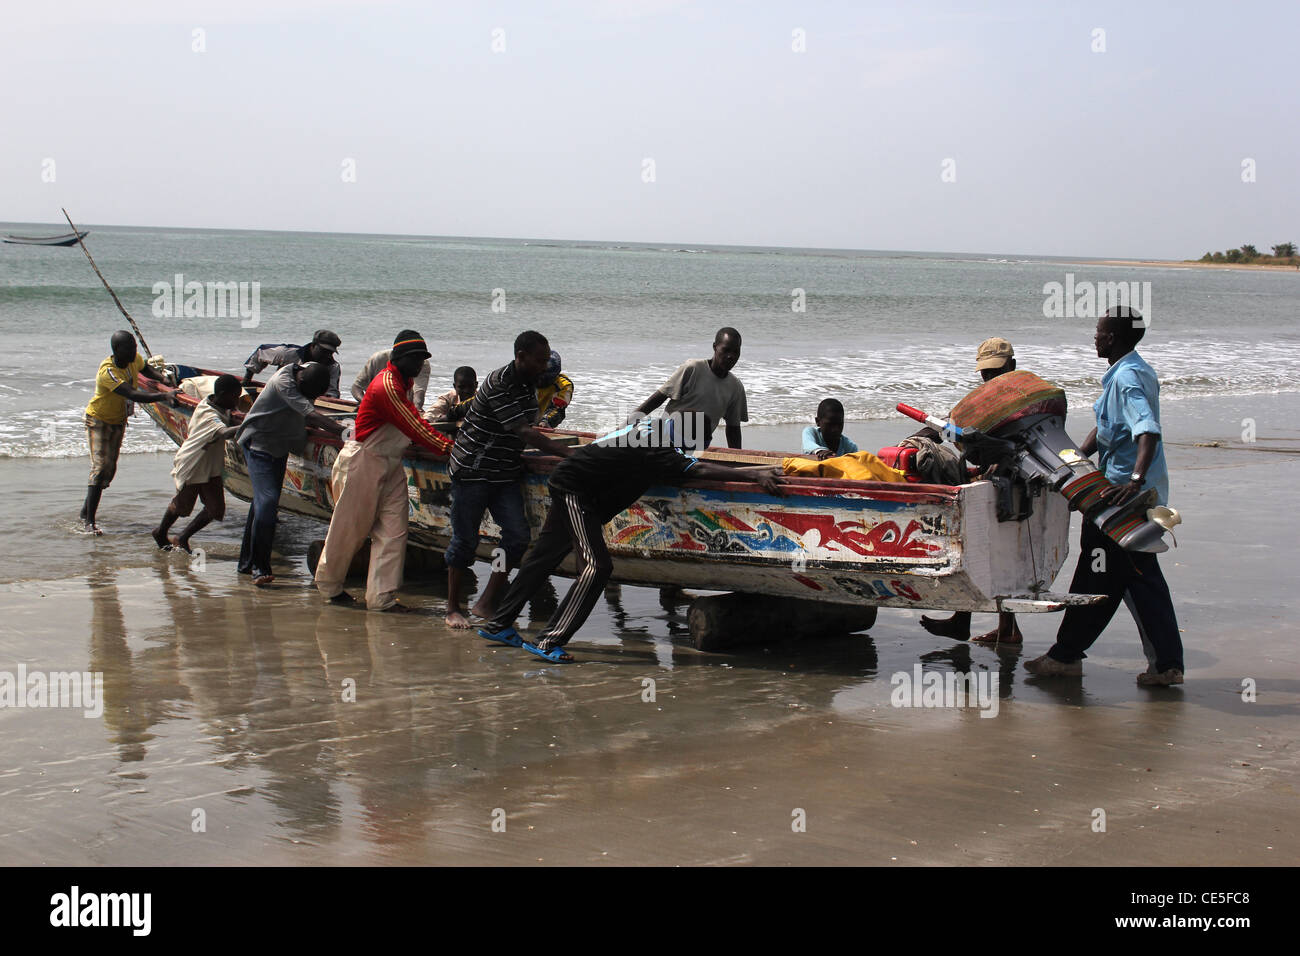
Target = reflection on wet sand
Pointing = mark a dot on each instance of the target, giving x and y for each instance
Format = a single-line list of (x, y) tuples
[(307, 733)]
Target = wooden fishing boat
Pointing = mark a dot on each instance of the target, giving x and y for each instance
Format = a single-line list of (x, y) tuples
[(67, 239), (841, 542)]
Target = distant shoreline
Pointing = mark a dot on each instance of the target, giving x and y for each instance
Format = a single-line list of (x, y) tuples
[(1187, 264)]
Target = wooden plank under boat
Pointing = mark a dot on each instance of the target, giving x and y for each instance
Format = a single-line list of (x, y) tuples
[(858, 543), (67, 239)]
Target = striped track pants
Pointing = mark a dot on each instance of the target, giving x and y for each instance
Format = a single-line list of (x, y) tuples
[(569, 527)]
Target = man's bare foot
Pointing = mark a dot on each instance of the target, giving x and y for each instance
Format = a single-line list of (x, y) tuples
[(264, 580), (482, 611), (996, 636), (160, 539), (457, 620), (956, 627), (91, 528), (180, 544)]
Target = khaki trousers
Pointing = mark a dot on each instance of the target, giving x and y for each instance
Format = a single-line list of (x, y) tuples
[(370, 500)]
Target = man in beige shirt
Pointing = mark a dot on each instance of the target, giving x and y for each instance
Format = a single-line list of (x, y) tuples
[(376, 364)]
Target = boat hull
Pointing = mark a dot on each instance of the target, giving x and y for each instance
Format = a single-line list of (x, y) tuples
[(844, 542), (68, 239)]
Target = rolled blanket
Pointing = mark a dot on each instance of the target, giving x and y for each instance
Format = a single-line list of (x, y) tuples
[(937, 463), (856, 466)]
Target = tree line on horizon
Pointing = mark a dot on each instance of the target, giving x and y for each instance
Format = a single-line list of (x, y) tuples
[(1284, 254)]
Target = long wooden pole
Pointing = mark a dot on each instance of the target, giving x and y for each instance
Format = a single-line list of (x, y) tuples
[(121, 308)]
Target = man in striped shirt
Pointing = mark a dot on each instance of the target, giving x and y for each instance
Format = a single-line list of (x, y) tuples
[(487, 469), (369, 481)]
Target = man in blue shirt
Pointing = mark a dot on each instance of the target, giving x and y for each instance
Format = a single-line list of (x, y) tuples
[(1131, 455)]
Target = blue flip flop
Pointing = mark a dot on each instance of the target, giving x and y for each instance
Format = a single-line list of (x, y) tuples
[(557, 655), (507, 635)]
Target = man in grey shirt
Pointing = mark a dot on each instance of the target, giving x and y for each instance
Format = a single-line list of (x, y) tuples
[(275, 426), (376, 364), (707, 385)]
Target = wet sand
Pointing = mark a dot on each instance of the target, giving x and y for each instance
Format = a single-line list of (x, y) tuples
[(231, 701)]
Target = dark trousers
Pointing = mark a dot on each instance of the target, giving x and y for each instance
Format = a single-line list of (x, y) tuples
[(469, 499), (570, 526), (1132, 577), (267, 477)]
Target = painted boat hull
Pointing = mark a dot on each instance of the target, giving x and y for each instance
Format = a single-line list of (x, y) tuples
[(845, 542)]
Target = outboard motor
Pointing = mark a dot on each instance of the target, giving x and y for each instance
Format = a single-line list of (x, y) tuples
[(1017, 420)]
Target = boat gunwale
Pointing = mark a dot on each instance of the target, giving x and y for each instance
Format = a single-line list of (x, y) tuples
[(911, 492)]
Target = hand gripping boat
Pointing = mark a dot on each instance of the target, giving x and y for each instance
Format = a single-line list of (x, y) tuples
[(863, 544)]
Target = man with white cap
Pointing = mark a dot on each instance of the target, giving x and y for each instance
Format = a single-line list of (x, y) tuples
[(369, 481), (994, 357)]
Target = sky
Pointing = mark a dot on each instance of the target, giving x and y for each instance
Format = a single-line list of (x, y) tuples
[(961, 127)]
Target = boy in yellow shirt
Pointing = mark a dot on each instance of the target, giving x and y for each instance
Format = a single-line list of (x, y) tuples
[(106, 415)]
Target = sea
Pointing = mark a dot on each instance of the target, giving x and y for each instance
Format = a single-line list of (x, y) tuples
[(255, 726), (871, 328)]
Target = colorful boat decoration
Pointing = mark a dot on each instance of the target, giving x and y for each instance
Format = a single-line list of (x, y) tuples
[(828, 540)]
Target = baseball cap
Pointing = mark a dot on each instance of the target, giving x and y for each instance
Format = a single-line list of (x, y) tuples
[(993, 353), (326, 339)]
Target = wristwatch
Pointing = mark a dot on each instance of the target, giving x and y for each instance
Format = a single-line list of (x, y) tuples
[(1136, 476)]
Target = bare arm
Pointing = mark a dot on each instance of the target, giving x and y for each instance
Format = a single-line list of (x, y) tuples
[(222, 434), (148, 371), (649, 405), (733, 435), (1089, 446), (536, 439), (766, 476), (324, 423), (138, 395), (1118, 494)]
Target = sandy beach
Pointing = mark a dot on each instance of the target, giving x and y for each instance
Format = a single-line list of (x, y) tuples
[(235, 707)]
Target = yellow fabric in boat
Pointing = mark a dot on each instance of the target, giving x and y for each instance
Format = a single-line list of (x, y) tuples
[(857, 466)]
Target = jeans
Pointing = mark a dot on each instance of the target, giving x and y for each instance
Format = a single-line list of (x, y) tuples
[(469, 499), (1133, 577), (267, 477)]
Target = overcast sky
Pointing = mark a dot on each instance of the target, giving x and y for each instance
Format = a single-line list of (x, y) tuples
[(1056, 149)]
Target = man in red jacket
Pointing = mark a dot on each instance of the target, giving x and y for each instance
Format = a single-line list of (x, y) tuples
[(369, 482)]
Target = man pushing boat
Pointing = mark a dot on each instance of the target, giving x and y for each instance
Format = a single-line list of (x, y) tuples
[(275, 426), (487, 467), (198, 465), (369, 481), (106, 415), (322, 348), (590, 487)]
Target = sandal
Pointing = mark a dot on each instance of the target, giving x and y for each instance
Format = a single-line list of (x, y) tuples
[(507, 635), (556, 655)]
